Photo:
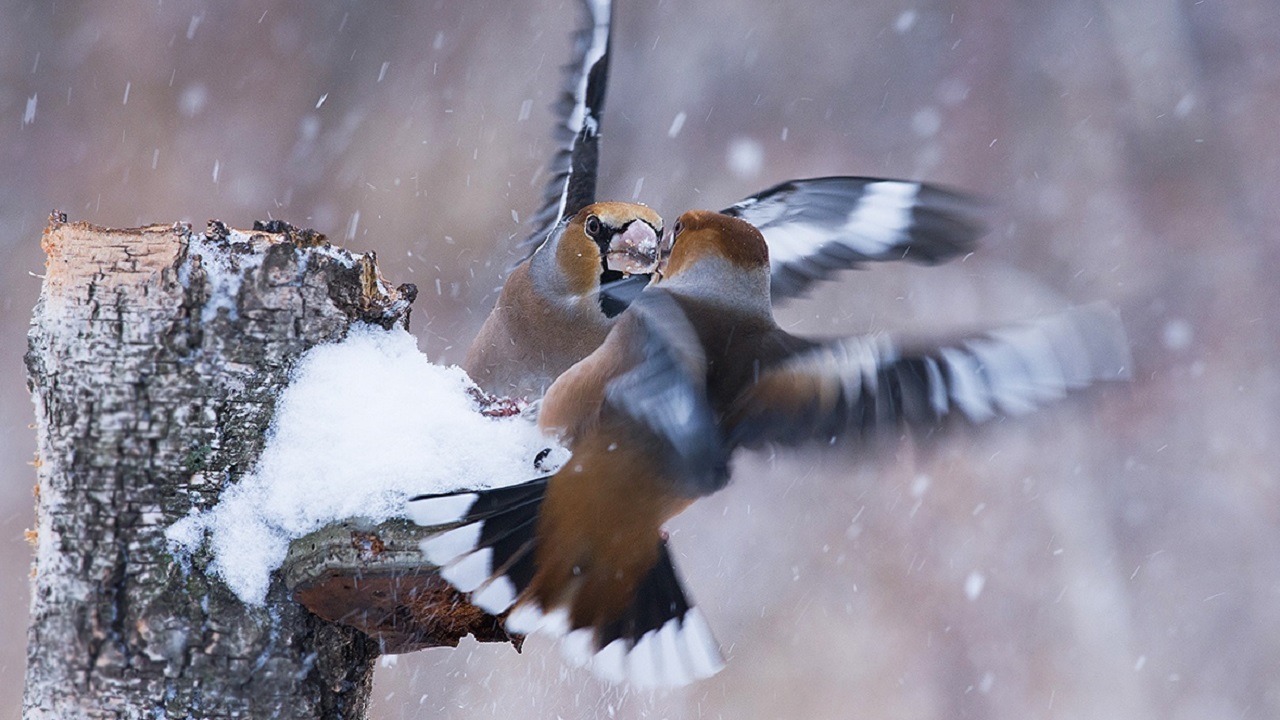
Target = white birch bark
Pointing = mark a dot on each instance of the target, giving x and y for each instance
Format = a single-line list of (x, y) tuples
[(155, 357)]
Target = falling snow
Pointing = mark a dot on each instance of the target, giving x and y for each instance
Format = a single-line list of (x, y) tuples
[(1089, 107), (905, 21), (745, 157), (677, 124), (973, 585), (1178, 334)]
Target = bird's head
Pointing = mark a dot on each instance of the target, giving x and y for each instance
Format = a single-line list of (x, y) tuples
[(609, 240), (716, 255)]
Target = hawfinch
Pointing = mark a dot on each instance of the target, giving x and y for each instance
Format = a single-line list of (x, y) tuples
[(549, 314), (694, 368), (560, 300)]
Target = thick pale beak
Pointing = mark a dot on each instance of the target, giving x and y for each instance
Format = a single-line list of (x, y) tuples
[(635, 251)]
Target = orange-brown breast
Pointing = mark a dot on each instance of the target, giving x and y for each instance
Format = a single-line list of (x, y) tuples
[(599, 526), (572, 403), (528, 340)]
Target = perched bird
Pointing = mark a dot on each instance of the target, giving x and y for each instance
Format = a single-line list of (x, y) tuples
[(693, 369), (555, 307), (548, 315)]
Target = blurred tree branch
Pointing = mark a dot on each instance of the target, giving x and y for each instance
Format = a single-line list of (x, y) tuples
[(155, 357)]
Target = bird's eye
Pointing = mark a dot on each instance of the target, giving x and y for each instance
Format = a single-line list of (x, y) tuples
[(592, 225)]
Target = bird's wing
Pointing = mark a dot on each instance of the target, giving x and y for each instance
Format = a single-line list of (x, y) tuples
[(817, 226), (661, 640), (665, 390), (572, 182), (854, 387), (490, 552)]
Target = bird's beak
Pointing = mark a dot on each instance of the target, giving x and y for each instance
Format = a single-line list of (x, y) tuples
[(635, 251), (664, 254)]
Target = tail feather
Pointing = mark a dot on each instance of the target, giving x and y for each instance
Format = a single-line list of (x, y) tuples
[(660, 597)]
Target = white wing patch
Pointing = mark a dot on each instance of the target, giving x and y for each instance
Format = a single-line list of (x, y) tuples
[(580, 117), (816, 227), (968, 387), (794, 241), (881, 217), (496, 596), (1016, 369), (874, 226), (441, 510), (470, 571), (681, 651), (527, 618), (448, 546)]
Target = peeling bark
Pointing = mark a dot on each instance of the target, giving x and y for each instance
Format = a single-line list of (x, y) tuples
[(155, 358)]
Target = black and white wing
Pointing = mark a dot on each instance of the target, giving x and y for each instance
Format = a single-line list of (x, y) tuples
[(659, 640), (857, 387), (572, 185), (817, 226)]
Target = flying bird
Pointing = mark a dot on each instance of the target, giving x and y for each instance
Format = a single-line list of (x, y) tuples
[(693, 369), (555, 307)]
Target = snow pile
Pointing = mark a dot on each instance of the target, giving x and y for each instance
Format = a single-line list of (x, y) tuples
[(364, 424)]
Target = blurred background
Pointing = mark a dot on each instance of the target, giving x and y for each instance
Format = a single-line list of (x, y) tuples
[(1117, 555)]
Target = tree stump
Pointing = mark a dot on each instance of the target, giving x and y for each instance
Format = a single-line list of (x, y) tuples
[(155, 358)]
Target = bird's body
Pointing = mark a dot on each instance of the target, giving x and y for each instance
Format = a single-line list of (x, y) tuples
[(517, 353), (600, 529), (693, 369)]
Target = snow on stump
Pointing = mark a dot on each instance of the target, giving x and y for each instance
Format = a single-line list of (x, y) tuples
[(156, 358)]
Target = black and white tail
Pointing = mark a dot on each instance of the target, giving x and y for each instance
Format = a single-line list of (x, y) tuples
[(660, 640)]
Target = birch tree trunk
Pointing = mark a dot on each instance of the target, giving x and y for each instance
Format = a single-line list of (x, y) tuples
[(155, 358)]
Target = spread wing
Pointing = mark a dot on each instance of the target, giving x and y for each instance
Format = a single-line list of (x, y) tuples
[(855, 387), (572, 183), (817, 226), (666, 391)]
